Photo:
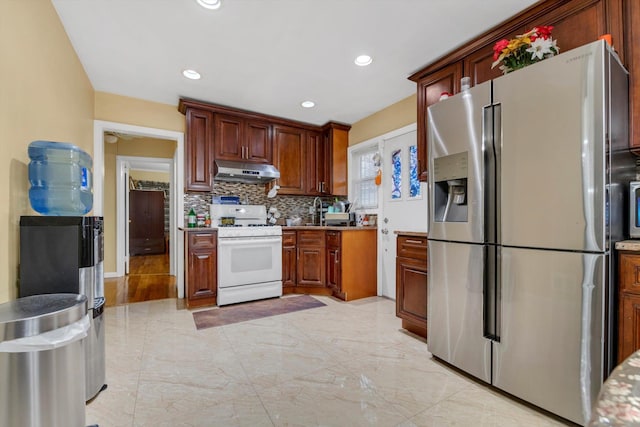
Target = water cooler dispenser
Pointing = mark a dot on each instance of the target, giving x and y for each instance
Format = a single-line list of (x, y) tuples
[(64, 254)]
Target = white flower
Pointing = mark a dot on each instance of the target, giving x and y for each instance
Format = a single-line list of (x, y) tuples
[(541, 47)]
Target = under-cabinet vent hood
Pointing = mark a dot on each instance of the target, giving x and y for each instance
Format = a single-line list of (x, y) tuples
[(249, 173)]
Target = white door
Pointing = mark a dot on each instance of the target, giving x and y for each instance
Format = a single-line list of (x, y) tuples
[(404, 202)]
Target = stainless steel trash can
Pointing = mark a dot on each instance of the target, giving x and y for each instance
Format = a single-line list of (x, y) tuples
[(42, 371)]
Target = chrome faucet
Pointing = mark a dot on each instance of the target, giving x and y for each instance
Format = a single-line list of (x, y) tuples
[(317, 199)]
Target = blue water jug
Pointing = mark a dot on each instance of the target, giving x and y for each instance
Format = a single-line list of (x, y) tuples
[(61, 179)]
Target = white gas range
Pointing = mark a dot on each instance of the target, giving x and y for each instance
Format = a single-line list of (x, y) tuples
[(249, 253)]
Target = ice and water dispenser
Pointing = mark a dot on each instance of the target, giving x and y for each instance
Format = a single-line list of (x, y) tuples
[(450, 175)]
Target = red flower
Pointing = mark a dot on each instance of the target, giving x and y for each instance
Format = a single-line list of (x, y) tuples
[(499, 47), (544, 31)]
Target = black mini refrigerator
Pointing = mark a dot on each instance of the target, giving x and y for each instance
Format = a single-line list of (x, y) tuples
[(64, 254)]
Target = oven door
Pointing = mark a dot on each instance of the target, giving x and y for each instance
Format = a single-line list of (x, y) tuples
[(249, 260)]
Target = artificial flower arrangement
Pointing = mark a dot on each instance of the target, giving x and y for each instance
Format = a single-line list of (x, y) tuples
[(526, 49)]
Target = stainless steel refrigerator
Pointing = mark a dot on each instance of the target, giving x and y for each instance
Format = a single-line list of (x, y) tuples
[(527, 183)]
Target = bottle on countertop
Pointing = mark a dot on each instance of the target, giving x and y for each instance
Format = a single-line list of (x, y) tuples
[(191, 219)]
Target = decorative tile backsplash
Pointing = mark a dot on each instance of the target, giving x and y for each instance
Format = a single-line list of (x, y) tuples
[(253, 194)]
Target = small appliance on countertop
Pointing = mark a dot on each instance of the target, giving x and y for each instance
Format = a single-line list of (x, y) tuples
[(340, 218)]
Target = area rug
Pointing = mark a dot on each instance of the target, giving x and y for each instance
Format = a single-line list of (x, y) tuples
[(253, 310)]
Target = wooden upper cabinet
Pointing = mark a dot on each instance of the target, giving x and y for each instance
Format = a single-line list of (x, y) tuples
[(429, 90), (327, 160), (199, 151), (632, 54), (241, 139), (315, 160), (576, 22), (228, 139), (312, 160), (258, 140), (336, 143), (477, 65), (289, 158)]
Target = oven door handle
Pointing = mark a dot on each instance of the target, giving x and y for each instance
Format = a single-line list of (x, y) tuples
[(233, 241)]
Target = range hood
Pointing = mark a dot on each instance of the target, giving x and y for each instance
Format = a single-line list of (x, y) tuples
[(248, 173)]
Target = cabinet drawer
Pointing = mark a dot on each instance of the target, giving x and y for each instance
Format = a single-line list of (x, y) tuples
[(313, 238), (288, 238), (412, 247), (202, 240), (333, 238), (629, 272)]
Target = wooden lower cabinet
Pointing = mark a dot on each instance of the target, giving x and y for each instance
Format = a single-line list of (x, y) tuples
[(311, 258), (289, 261), (334, 266), (628, 304), (411, 283), (352, 271), (201, 282), (339, 263)]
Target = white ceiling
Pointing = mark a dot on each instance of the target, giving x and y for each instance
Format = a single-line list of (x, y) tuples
[(269, 55)]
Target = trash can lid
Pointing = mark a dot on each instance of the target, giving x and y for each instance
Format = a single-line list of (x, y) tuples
[(33, 315)]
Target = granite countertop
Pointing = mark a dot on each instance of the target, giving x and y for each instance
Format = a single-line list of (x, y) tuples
[(628, 245), (331, 227), (618, 403), (411, 233), (294, 227), (194, 229)]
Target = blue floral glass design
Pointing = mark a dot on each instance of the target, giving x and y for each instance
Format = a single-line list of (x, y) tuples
[(396, 177), (414, 183)]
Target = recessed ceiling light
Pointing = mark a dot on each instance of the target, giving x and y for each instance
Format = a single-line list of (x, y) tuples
[(363, 60), (191, 74), (209, 4), (308, 104)]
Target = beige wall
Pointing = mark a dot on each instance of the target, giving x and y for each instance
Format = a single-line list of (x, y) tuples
[(44, 94), (133, 111), (393, 117), (139, 147)]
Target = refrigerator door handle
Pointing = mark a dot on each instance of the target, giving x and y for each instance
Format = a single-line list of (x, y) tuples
[(489, 174), (491, 150), (497, 147), (490, 292)]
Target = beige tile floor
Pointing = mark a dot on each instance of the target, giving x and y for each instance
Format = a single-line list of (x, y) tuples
[(346, 364)]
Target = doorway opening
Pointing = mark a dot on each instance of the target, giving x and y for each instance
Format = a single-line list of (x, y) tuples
[(144, 200), (398, 206), (143, 278)]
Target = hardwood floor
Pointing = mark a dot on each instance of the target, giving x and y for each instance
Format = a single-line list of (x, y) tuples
[(148, 280)]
